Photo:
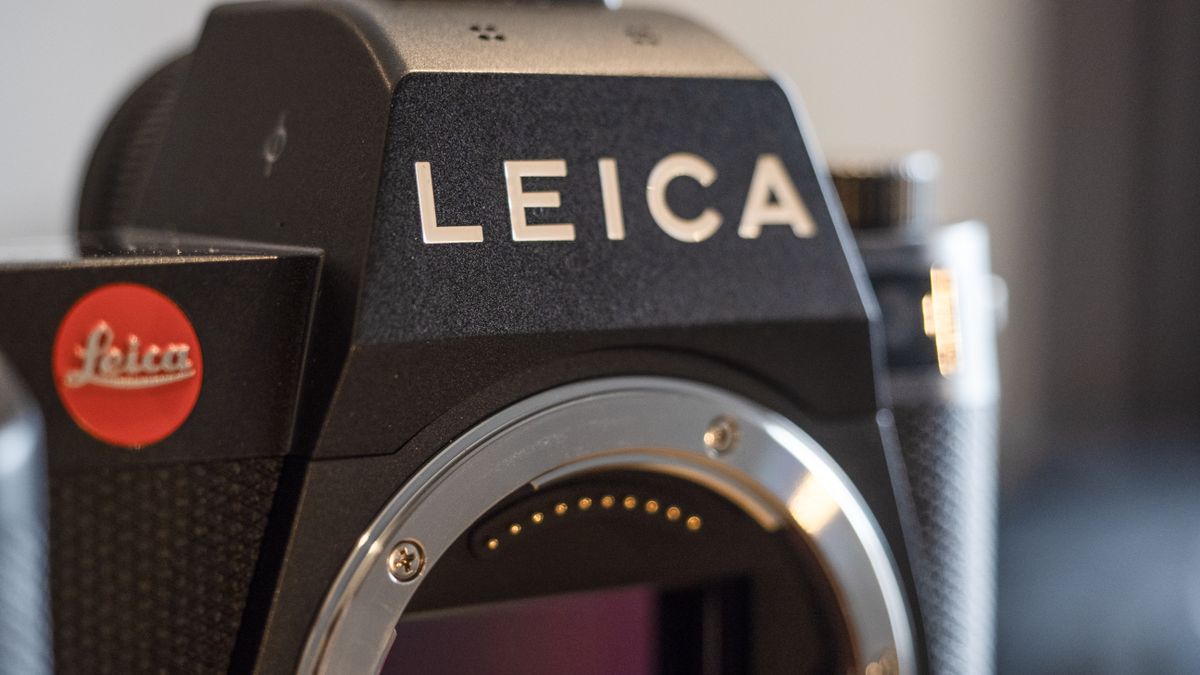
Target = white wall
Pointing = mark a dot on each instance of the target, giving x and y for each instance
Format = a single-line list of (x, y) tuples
[(63, 67), (955, 77)]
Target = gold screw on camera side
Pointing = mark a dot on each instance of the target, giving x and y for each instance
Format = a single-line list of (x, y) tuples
[(585, 503), (537, 518), (607, 501), (651, 507), (693, 523), (630, 503), (673, 513), (406, 561), (560, 509)]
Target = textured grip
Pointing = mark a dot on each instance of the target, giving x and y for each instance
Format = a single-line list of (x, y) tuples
[(24, 619), (24, 610), (151, 566), (950, 454)]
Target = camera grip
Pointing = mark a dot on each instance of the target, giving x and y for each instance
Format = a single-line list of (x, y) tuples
[(949, 450), (24, 610), (152, 565), (940, 308)]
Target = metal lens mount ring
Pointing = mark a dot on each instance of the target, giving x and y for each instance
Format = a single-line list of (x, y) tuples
[(776, 473)]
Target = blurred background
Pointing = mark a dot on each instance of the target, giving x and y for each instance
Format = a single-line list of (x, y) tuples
[(1072, 128)]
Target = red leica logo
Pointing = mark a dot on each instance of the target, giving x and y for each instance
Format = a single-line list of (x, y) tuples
[(127, 365), (107, 366)]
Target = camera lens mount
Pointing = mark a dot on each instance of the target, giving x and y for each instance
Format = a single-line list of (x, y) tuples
[(749, 456)]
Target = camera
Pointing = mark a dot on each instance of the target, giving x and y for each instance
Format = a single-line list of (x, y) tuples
[(449, 337)]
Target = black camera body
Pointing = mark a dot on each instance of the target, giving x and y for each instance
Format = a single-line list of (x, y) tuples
[(390, 224)]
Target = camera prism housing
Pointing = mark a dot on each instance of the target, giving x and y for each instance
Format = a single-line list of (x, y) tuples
[(395, 328)]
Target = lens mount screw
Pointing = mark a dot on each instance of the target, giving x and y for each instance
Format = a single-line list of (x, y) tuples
[(722, 434), (406, 561)]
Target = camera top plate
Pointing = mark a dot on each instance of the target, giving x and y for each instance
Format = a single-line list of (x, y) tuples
[(542, 38), (697, 214)]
